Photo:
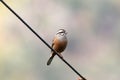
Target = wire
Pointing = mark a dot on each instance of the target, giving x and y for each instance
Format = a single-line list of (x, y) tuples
[(41, 39)]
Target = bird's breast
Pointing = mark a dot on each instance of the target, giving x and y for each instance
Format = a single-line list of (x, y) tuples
[(60, 44)]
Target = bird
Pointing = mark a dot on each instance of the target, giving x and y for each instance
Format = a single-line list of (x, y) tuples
[(59, 44)]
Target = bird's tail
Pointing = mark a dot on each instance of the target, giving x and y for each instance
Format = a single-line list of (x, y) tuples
[(50, 59)]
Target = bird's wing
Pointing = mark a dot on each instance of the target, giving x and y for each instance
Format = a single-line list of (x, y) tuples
[(52, 44)]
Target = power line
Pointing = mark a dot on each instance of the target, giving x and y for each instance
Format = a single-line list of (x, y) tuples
[(29, 27)]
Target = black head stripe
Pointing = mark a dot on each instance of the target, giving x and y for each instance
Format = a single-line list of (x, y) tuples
[(61, 31)]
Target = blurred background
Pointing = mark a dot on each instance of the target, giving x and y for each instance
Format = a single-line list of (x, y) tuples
[(93, 49)]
